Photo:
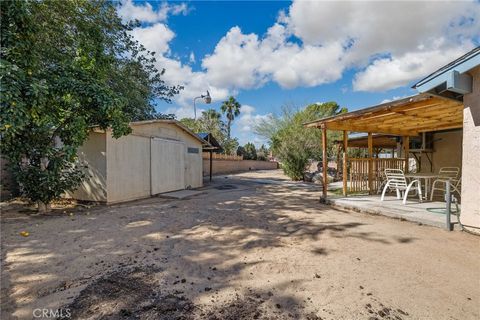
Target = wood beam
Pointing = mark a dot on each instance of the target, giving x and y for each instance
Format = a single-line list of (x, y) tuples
[(370, 163), (324, 163), (345, 169), (211, 165), (352, 127), (441, 127), (406, 148)]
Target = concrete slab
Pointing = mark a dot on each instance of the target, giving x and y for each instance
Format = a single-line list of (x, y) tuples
[(181, 194), (429, 213)]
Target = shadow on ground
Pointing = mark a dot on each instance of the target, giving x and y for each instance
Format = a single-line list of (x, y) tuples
[(158, 259)]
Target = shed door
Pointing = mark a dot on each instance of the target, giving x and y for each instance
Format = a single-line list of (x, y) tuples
[(168, 165)]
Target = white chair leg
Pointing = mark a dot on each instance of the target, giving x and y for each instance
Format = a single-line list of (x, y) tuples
[(408, 190), (419, 188), (399, 194), (432, 191), (406, 195), (384, 190)]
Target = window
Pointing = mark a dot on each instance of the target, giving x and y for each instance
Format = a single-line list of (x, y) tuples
[(193, 150)]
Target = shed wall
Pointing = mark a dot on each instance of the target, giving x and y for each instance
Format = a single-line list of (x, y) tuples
[(193, 161), (471, 154), (128, 168), (120, 169), (93, 153)]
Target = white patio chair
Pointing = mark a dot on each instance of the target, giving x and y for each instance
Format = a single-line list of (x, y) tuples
[(396, 180), (452, 173)]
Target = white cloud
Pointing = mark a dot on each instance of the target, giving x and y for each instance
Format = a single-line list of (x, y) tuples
[(235, 61), (243, 126), (246, 61), (248, 119), (155, 38), (421, 34), (388, 44), (388, 73), (191, 58), (417, 37), (393, 99), (146, 13)]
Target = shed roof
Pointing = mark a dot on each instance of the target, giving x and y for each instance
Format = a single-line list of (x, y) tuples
[(167, 121), (207, 136), (409, 116), (172, 122)]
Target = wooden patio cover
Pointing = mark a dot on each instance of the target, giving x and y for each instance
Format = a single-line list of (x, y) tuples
[(379, 141), (405, 117)]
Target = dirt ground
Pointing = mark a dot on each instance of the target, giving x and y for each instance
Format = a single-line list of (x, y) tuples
[(251, 246)]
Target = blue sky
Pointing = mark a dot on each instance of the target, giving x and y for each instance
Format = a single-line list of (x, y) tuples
[(271, 53)]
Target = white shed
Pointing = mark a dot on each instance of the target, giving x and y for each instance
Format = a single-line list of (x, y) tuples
[(158, 156)]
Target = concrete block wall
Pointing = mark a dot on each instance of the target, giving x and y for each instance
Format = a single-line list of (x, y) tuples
[(232, 166)]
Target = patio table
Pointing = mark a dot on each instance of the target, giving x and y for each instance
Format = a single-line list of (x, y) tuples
[(427, 177)]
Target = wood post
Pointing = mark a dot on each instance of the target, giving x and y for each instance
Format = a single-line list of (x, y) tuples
[(339, 151), (210, 171), (345, 169), (370, 163), (406, 148), (324, 163)]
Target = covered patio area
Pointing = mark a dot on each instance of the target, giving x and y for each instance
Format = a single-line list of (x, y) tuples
[(431, 213), (417, 135)]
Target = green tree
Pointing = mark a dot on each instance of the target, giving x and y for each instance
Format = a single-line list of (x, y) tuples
[(294, 144), (192, 124), (241, 151), (211, 121), (231, 109), (230, 146), (64, 67), (250, 151), (262, 153)]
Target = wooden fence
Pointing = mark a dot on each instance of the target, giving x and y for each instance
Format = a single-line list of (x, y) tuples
[(358, 172)]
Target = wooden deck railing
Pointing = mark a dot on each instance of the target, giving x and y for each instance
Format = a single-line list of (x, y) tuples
[(358, 172)]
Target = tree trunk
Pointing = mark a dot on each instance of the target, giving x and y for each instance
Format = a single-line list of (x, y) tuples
[(228, 128), (43, 207)]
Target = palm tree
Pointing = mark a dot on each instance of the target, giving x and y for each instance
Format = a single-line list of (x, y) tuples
[(211, 121), (211, 118), (231, 109)]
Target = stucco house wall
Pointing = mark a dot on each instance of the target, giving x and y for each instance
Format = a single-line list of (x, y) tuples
[(447, 148), (471, 154)]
